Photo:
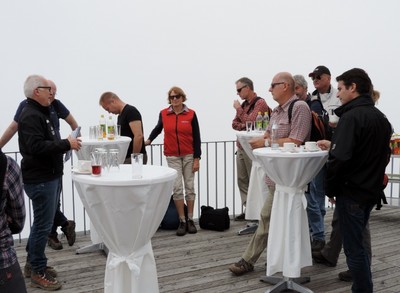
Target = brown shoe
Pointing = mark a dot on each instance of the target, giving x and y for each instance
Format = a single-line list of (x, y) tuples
[(345, 276), (241, 217), (54, 243), (319, 258), (69, 231), (181, 229), (28, 271), (242, 267), (191, 228), (45, 281)]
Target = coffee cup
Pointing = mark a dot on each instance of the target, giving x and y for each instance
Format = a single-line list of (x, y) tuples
[(333, 119), (289, 146), (311, 146)]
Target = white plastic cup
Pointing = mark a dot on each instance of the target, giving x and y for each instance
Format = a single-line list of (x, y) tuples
[(137, 165)]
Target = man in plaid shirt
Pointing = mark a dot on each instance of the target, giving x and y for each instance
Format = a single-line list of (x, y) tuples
[(12, 219), (298, 131)]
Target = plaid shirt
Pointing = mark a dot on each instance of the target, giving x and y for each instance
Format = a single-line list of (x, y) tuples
[(244, 114), (12, 205), (299, 129)]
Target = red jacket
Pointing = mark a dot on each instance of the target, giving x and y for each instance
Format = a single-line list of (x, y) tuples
[(181, 132)]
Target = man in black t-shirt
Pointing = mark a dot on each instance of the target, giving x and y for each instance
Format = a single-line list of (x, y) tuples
[(130, 120)]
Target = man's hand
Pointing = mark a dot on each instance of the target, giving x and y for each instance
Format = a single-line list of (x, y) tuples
[(256, 143), (236, 104), (75, 143)]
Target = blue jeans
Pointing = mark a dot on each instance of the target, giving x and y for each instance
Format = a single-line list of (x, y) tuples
[(353, 218), (45, 198), (316, 205)]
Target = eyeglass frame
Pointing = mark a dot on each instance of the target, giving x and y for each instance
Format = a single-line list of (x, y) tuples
[(174, 97), (45, 87), (240, 89), (274, 84)]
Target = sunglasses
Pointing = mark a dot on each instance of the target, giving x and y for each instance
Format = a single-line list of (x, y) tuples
[(316, 77), (175, 97), (240, 89), (275, 84)]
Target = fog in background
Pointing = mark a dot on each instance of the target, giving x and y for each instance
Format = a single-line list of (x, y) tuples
[(139, 49)]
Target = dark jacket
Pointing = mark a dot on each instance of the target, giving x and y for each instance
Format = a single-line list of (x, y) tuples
[(41, 150), (359, 152)]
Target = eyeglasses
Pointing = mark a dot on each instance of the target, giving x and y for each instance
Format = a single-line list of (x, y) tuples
[(175, 97), (316, 77), (45, 87), (275, 84), (240, 89)]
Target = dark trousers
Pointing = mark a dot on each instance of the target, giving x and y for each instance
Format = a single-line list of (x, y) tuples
[(353, 219), (11, 280)]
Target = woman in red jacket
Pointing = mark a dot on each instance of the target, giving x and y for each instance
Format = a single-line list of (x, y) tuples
[(182, 148)]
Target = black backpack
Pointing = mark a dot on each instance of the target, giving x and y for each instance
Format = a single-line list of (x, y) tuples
[(319, 123)]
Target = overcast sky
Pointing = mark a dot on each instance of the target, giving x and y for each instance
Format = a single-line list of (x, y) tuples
[(139, 49)]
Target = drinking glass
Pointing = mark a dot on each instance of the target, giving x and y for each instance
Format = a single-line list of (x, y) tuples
[(113, 162), (96, 161), (137, 165)]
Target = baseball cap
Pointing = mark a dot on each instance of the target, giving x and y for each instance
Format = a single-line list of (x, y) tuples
[(321, 69)]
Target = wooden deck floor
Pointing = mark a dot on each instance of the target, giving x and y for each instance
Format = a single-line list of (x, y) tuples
[(199, 262)]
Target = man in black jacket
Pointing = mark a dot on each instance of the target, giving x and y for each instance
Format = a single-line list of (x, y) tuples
[(42, 168), (357, 161)]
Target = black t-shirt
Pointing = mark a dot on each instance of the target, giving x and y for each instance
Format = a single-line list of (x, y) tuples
[(129, 114)]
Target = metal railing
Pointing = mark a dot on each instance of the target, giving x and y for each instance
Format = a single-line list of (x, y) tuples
[(215, 184)]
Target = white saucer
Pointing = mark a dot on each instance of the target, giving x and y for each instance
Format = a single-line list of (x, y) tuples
[(77, 171)]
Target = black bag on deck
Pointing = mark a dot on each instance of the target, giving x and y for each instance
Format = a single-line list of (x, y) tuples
[(214, 219)]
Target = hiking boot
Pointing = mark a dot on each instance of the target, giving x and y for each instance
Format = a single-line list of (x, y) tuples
[(241, 217), (69, 231), (181, 229), (191, 228), (54, 243), (242, 267), (345, 276), (319, 258), (45, 281), (28, 271), (317, 245)]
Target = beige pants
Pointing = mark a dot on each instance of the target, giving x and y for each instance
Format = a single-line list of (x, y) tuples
[(243, 166), (259, 240), (184, 167)]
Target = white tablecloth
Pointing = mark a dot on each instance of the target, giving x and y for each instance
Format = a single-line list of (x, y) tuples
[(126, 213), (289, 240), (258, 189), (88, 146)]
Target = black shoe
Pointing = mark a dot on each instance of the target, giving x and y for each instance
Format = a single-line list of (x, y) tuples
[(182, 228), (345, 276), (191, 228), (241, 217), (69, 231), (319, 258), (317, 245)]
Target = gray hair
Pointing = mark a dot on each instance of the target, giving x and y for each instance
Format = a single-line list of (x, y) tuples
[(300, 80), (32, 83), (246, 81)]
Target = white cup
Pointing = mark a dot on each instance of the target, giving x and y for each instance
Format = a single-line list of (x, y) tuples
[(311, 146), (84, 166), (289, 146), (333, 119), (137, 165)]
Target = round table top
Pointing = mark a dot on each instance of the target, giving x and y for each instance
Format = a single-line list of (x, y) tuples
[(268, 152), (123, 177), (122, 139)]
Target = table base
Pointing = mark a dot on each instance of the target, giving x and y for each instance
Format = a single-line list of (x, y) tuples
[(286, 283), (92, 248), (249, 229)]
